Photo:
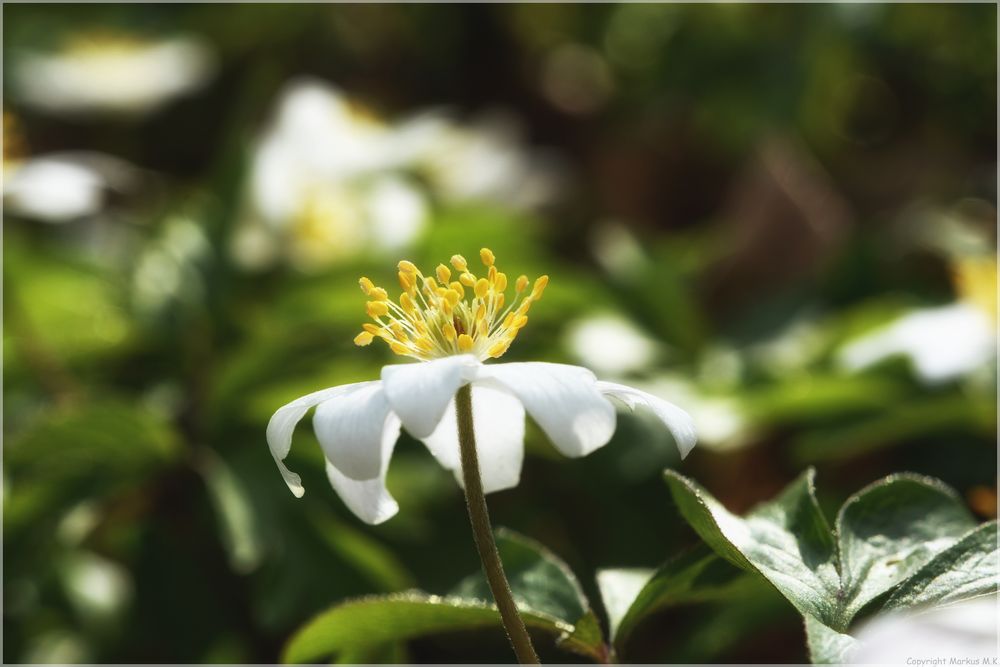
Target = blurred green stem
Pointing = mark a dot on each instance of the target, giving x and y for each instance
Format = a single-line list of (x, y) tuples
[(482, 532)]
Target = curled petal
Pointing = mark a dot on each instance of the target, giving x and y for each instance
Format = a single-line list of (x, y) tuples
[(349, 428), (679, 422), (419, 393), (563, 399), (283, 422), (498, 421), (369, 499)]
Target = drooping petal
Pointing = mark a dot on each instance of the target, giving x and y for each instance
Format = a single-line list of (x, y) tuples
[(369, 499), (419, 393), (283, 422), (349, 428), (498, 421), (677, 421), (563, 399)]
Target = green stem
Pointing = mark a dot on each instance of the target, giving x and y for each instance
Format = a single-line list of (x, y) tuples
[(483, 534)]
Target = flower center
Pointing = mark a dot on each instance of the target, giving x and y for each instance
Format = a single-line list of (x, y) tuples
[(442, 317)]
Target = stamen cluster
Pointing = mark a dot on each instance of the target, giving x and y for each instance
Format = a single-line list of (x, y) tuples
[(437, 317)]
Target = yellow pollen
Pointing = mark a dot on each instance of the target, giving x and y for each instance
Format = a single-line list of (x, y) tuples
[(436, 316)]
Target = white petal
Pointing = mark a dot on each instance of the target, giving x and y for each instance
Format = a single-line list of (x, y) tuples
[(563, 399), (419, 393), (369, 499), (678, 421), (282, 424), (349, 428), (498, 420)]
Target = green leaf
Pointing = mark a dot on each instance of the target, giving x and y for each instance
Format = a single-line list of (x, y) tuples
[(378, 620), (234, 512), (904, 531), (632, 595), (786, 540), (547, 594), (888, 531), (969, 568), (538, 579), (826, 645)]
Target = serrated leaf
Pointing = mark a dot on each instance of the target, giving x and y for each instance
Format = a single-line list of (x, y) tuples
[(826, 645), (786, 540), (631, 595), (888, 531), (538, 579), (969, 568)]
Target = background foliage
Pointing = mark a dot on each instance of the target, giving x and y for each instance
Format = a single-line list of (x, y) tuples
[(738, 193)]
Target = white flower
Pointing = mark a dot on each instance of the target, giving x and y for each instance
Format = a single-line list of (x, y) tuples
[(942, 343), (61, 187), (964, 633), (326, 183), (357, 424), (611, 344), (99, 73)]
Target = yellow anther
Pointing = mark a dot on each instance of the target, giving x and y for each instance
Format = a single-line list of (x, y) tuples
[(436, 315), (406, 303), (497, 349), (377, 309)]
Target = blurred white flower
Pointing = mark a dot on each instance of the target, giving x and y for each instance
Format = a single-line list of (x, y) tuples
[(611, 344), (61, 187), (964, 633), (99, 73), (98, 587), (326, 184), (942, 343), (485, 160)]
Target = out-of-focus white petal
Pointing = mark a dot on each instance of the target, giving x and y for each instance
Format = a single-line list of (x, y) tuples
[(397, 212), (118, 77), (563, 399), (965, 632), (419, 393), (498, 420), (283, 422), (678, 421), (942, 343), (349, 428), (610, 344), (369, 499)]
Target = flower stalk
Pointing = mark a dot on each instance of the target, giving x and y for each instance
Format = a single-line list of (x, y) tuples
[(482, 532)]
